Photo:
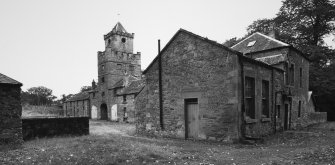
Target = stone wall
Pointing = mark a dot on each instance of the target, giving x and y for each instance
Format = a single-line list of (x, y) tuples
[(10, 114), (193, 68), (48, 127), (263, 125), (129, 107), (296, 92), (78, 108)]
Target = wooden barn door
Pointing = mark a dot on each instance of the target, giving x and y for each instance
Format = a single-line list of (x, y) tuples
[(192, 118)]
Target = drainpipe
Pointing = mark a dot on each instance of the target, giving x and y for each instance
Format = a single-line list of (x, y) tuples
[(160, 86), (275, 100), (243, 124)]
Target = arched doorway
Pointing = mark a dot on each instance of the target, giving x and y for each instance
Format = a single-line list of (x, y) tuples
[(103, 110)]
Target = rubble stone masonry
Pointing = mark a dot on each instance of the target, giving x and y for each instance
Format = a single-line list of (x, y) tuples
[(10, 114)]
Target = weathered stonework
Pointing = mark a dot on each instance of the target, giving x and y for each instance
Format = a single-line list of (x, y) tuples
[(119, 68), (202, 94), (195, 67), (10, 112)]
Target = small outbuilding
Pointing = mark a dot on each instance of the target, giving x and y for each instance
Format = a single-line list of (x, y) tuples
[(10, 110)]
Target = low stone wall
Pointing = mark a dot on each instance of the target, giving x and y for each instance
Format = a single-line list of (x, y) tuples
[(48, 127), (310, 118), (317, 117)]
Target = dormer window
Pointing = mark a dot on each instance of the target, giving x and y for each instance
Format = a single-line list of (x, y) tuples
[(251, 43), (123, 40)]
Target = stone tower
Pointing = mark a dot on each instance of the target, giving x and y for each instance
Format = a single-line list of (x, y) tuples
[(118, 59)]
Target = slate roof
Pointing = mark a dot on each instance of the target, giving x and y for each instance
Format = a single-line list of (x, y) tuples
[(134, 87), (118, 84), (121, 82), (272, 60), (119, 28), (258, 42), (7, 80), (239, 54), (79, 96)]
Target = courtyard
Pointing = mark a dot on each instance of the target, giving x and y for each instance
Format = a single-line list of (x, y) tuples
[(115, 143)]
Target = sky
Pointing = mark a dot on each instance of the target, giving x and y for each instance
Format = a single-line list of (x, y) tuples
[(55, 43)]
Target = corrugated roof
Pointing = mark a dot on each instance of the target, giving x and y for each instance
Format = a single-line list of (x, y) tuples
[(134, 87), (271, 60), (260, 42), (79, 96), (7, 80)]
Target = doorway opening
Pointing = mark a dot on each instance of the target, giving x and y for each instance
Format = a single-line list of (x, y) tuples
[(191, 118), (103, 110)]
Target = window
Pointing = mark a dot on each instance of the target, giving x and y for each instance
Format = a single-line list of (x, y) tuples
[(265, 99), (109, 41), (102, 67), (93, 95), (278, 111), (118, 66), (131, 68), (250, 97), (251, 43), (103, 94), (291, 74), (286, 74), (300, 77), (102, 79), (123, 40), (125, 115), (124, 98), (299, 109)]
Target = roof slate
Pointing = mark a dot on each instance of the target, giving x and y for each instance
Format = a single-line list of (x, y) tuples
[(119, 28), (134, 87), (79, 96), (7, 80), (262, 42)]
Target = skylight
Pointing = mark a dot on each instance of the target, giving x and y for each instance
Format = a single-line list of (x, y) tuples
[(251, 43)]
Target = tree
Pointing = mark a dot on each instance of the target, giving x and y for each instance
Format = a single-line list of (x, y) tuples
[(85, 88), (38, 96), (304, 24)]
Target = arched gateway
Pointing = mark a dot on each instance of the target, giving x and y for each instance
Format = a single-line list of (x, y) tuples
[(103, 110)]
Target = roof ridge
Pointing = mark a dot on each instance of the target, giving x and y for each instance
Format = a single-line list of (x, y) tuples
[(273, 39)]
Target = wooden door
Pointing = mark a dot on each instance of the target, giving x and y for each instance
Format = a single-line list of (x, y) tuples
[(192, 110)]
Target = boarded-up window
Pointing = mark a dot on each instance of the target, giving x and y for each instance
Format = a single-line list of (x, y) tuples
[(250, 97), (265, 99)]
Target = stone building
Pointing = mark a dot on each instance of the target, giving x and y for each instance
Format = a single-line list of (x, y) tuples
[(119, 71), (197, 88), (10, 110), (78, 105), (295, 112)]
